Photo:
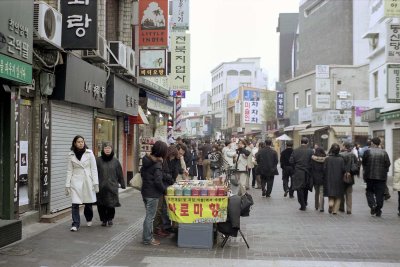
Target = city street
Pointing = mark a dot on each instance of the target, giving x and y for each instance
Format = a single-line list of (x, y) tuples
[(278, 234)]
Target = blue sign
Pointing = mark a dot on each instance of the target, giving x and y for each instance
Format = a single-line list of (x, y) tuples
[(251, 95), (177, 94), (280, 105)]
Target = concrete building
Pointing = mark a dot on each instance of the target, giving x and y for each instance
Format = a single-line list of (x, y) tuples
[(229, 76)]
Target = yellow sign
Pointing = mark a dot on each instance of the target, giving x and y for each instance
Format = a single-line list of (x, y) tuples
[(392, 8), (202, 209)]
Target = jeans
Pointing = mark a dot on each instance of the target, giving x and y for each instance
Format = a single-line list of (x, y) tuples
[(375, 192), (150, 205), (269, 182), (106, 213), (76, 217), (319, 197)]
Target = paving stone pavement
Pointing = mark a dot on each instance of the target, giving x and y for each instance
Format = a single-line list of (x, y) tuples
[(278, 234)]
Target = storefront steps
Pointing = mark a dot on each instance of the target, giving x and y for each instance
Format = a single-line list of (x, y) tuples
[(10, 231)]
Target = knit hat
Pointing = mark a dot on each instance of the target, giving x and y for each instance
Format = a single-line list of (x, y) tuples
[(107, 144)]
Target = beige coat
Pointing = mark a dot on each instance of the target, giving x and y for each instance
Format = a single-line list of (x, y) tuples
[(396, 176), (81, 177)]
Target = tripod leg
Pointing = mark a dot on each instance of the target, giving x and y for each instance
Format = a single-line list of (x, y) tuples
[(244, 238), (226, 237)]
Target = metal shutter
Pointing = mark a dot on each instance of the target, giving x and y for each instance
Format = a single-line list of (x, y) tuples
[(67, 121)]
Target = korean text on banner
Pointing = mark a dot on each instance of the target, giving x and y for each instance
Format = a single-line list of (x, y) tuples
[(180, 61), (180, 14), (153, 18), (207, 209)]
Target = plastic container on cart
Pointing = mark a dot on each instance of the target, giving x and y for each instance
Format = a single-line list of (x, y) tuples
[(221, 191), (195, 235), (187, 191), (203, 191), (170, 191), (212, 191), (178, 191), (196, 191)]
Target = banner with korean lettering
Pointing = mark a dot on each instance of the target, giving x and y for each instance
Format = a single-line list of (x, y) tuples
[(202, 209), (153, 18), (152, 62), (393, 83), (179, 79), (393, 43), (79, 24), (180, 14), (252, 112), (280, 105)]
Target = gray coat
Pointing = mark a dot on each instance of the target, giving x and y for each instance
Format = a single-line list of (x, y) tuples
[(110, 175), (301, 160), (334, 170)]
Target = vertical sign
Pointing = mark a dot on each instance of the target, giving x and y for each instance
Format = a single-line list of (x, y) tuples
[(79, 29), (280, 105), (392, 8), (393, 43), (153, 18), (393, 83), (45, 155), (180, 14), (323, 85), (180, 61), (15, 154), (252, 112), (322, 71)]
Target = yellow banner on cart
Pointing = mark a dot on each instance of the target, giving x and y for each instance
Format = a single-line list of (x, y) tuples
[(202, 209)]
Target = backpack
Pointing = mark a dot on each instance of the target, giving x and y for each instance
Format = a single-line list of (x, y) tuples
[(245, 205)]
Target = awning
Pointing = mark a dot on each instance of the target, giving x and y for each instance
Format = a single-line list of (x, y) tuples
[(390, 115), (298, 127), (140, 118), (346, 130), (312, 130)]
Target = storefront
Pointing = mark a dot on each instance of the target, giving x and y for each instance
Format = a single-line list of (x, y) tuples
[(80, 91), (317, 136), (293, 132)]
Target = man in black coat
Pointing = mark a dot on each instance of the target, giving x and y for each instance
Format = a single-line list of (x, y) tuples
[(376, 164), (267, 162), (301, 160), (287, 169)]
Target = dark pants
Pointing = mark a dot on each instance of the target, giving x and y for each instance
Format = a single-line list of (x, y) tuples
[(200, 175), (286, 175), (269, 182), (106, 214), (253, 180), (375, 192), (302, 197), (76, 217)]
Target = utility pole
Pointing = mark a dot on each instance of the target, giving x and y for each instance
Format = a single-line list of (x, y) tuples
[(353, 116)]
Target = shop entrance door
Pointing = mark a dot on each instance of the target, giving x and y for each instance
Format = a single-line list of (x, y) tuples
[(103, 132), (25, 181)]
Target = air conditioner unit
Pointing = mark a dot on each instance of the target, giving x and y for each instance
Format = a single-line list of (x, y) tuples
[(47, 83), (117, 55), (100, 55), (47, 24), (130, 62)]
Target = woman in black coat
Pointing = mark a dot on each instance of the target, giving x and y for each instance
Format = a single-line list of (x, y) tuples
[(334, 171), (318, 176), (193, 162), (110, 175)]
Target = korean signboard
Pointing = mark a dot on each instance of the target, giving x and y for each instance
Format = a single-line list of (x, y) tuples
[(45, 156), (81, 83), (152, 62), (393, 83), (153, 18), (180, 14), (323, 101), (16, 33), (207, 209), (322, 71), (178, 94), (392, 8), (122, 96), (159, 104), (280, 105), (252, 112), (393, 42), (322, 85), (179, 79), (79, 24)]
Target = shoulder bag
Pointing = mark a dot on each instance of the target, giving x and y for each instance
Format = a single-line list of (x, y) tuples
[(136, 182)]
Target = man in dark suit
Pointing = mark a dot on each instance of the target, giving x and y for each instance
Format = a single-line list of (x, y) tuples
[(301, 160), (267, 162), (287, 169)]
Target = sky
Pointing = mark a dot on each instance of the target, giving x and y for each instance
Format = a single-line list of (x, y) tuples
[(224, 30)]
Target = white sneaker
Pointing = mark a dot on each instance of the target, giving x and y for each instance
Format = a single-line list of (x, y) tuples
[(89, 223), (74, 229)]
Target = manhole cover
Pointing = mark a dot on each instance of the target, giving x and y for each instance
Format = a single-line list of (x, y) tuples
[(15, 251)]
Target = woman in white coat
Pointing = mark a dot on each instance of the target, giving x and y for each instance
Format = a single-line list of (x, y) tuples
[(82, 182), (396, 181)]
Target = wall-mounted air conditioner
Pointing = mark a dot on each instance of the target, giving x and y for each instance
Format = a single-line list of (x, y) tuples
[(117, 55), (47, 24), (100, 55), (130, 62)]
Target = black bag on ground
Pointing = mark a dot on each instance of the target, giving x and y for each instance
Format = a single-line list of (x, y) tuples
[(246, 203)]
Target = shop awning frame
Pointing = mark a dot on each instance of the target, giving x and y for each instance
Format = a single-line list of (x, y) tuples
[(140, 118), (298, 127), (312, 130), (346, 130)]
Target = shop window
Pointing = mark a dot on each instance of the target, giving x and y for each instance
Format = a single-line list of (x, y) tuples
[(103, 132)]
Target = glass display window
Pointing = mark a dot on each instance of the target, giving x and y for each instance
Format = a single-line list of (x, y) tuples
[(103, 132)]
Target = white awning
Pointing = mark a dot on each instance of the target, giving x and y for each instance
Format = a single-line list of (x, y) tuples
[(312, 130), (298, 127), (346, 130)]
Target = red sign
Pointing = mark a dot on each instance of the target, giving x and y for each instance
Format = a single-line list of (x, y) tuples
[(153, 28)]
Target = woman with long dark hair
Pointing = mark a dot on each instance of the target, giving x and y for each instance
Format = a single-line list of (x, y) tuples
[(318, 176), (82, 181)]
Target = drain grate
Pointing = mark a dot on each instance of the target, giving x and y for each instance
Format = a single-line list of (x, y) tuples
[(16, 251)]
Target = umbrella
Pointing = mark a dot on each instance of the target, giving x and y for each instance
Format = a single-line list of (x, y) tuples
[(284, 137)]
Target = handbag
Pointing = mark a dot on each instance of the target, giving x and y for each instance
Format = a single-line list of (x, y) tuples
[(353, 166), (348, 178), (136, 182)]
